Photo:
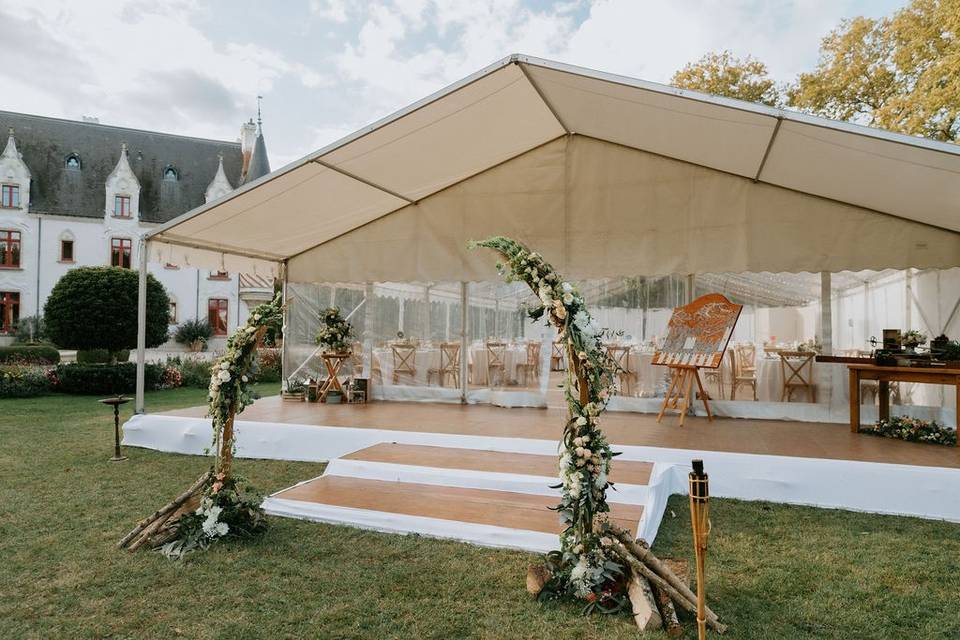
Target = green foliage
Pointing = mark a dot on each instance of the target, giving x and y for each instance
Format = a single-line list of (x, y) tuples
[(335, 333), (722, 74), (96, 308), (268, 365), (912, 430), (101, 356), (191, 331), (104, 379), (29, 354), (30, 330), (23, 381), (194, 373)]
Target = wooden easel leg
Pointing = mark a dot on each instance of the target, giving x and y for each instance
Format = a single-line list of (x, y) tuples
[(666, 398), (687, 394), (703, 395)]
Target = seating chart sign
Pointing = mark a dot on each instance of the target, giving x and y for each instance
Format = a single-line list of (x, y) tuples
[(698, 333)]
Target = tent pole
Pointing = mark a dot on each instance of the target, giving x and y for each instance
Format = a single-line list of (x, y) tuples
[(284, 331), (826, 313), (463, 343), (141, 322)]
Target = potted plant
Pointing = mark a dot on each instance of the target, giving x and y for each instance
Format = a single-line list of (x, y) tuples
[(294, 391), (939, 344), (335, 334), (194, 334), (912, 339)]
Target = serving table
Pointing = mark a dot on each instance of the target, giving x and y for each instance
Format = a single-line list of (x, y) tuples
[(885, 375)]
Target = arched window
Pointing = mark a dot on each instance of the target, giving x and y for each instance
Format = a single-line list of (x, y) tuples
[(170, 174), (72, 162)]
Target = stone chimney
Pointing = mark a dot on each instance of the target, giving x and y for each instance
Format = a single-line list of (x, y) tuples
[(248, 139)]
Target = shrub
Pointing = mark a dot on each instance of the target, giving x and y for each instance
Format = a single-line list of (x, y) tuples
[(268, 361), (192, 331), (30, 330), (194, 373), (23, 382), (29, 354), (105, 379), (96, 308), (101, 356)]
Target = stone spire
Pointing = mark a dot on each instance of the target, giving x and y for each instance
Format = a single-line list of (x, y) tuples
[(220, 185)]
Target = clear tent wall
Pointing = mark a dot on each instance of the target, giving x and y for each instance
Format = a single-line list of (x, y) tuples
[(411, 343)]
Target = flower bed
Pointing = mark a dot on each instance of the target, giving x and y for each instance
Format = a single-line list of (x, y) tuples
[(912, 430)]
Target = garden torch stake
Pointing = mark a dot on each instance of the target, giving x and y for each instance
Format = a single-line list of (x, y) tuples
[(700, 521)]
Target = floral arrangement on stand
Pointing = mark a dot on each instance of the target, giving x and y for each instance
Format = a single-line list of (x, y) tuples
[(912, 339), (912, 430), (335, 333), (220, 504)]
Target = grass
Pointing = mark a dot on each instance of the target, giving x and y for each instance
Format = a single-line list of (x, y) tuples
[(774, 571)]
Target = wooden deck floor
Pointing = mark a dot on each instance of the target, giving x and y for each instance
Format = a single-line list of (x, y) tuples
[(771, 437)]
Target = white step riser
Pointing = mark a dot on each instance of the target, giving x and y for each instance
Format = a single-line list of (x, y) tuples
[(518, 483)]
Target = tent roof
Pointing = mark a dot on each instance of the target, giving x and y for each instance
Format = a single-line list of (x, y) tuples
[(519, 105)]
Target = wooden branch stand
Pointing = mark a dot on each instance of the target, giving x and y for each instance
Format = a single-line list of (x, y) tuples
[(680, 392)]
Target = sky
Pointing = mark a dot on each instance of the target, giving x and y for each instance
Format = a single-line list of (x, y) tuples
[(328, 67)]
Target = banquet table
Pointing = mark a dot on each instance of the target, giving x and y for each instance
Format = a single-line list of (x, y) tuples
[(424, 359), (650, 379), (514, 354)]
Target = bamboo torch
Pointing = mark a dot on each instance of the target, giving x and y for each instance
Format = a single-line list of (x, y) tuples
[(700, 520)]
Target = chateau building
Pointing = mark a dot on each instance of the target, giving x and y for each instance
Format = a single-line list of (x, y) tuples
[(81, 194)]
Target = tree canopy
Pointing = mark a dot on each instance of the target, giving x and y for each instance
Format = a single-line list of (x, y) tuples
[(96, 308), (723, 74)]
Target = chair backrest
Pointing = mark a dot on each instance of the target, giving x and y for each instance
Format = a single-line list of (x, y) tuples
[(533, 353), (797, 367), (747, 354), (449, 356), (404, 358), (496, 354), (734, 362), (558, 349), (620, 356)]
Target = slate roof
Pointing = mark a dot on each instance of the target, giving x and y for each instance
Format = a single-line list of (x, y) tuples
[(259, 162), (45, 143)]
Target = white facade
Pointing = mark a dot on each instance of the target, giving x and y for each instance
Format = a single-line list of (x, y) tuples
[(42, 236)]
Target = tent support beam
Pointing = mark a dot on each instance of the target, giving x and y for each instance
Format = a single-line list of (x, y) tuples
[(464, 370), (766, 152), (826, 313), (353, 176), (141, 322), (547, 103)]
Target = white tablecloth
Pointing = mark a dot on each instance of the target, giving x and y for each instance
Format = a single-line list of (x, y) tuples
[(423, 360), (514, 354)]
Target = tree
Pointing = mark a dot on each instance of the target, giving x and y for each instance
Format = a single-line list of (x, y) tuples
[(900, 73), (96, 308), (723, 74)]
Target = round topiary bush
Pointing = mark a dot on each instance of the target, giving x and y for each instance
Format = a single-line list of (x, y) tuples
[(96, 308)]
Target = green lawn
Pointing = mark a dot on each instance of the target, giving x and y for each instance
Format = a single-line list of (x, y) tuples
[(775, 572)]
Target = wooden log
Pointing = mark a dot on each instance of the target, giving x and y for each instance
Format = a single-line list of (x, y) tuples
[(643, 553), (537, 577), (176, 502), (149, 531), (688, 605), (645, 612), (671, 624)]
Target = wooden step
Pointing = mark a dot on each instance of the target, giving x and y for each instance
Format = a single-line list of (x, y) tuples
[(626, 472), (477, 506)]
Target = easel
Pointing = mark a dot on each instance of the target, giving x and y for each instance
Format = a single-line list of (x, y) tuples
[(680, 392)]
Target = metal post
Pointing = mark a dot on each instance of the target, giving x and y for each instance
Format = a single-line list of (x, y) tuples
[(141, 321), (464, 355), (826, 313), (284, 331)]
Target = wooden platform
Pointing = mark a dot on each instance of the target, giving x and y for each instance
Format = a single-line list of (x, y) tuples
[(477, 506), (625, 472), (771, 437)]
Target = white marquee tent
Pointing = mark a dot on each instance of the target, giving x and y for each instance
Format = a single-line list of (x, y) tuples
[(608, 176)]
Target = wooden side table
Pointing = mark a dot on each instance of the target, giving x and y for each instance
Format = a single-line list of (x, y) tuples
[(333, 362), (885, 375)]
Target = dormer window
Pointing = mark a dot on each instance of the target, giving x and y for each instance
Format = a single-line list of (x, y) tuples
[(121, 206), (170, 174), (10, 196), (72, 162)]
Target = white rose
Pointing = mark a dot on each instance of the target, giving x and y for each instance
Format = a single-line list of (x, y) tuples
[(567, 298), (581, 421), (244, 378), (256, 316), (578, 441), (224, 376), (224, 365), (567, 287)]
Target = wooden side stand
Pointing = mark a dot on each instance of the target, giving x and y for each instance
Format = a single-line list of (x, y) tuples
[(680, 392)]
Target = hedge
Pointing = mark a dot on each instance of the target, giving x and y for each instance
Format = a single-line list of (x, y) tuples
[(23, 382), (29, 354), (101, 356), (105, 379)]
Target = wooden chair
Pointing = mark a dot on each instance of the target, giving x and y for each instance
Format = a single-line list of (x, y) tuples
[(532, 364), (356, 360), (404, 361), (449, 364), (621, 357), (496, 361), (715, 376), (797, 370), (557, 357), (748, 357), (741, 375)]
